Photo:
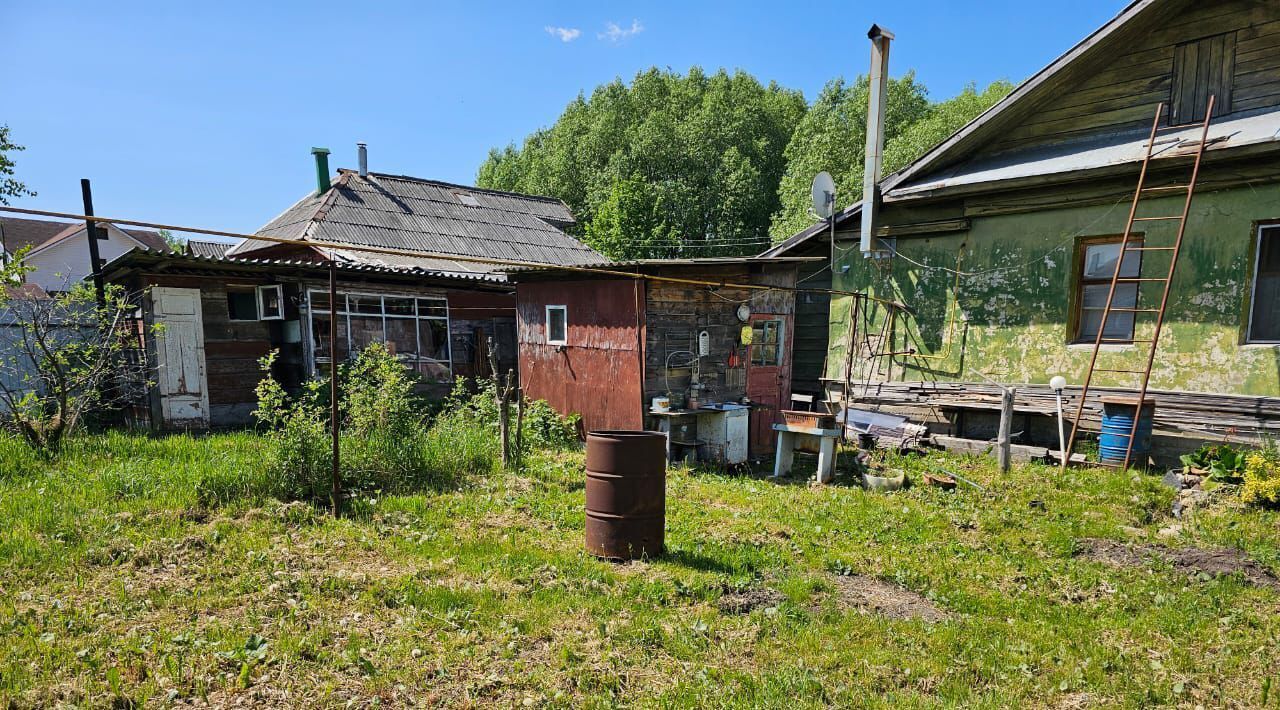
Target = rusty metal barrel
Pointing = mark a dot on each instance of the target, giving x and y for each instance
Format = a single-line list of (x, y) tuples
[(626, 493)]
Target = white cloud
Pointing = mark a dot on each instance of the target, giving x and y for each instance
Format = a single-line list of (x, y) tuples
[(566, 34), (614, 33)]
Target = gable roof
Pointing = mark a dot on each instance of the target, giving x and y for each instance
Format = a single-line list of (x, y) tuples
[(1041, 84), (413, 214), (17, 233)]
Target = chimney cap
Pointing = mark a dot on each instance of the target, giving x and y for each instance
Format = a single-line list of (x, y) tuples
[(876, 32), (319, 151)]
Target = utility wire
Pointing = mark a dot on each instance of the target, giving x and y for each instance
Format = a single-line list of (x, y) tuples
[(518, 264)]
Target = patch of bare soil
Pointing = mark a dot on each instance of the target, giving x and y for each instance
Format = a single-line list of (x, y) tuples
[(1191, 560), (886, 599), (743, 601)]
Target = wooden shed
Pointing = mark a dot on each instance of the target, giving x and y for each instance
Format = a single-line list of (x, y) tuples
[(604, 345)]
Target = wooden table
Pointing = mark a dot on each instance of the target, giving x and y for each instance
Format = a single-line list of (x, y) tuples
[(790, 437)]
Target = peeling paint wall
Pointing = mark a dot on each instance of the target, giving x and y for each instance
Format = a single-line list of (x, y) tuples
[(1017, 310)]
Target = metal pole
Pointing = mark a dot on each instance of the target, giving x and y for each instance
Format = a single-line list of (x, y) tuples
[(335, 494), (91, 231), (1062, 434)]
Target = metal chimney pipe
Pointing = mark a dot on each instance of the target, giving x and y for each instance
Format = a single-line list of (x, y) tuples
[(322, 169), (879, 78), (363, 150)]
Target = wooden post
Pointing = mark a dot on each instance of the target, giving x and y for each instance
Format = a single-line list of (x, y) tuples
[(1006, 426), (519, 428), (335, 494), (91, 231), (500, 399)]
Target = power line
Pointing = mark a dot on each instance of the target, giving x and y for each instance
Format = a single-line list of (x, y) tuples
[(389, 251)]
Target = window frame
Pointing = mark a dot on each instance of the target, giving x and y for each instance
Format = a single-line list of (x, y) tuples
[(564, 310), (779, 343), (1259, 228), (1079, 282), (251, 291), (344, 312), (261, 301)]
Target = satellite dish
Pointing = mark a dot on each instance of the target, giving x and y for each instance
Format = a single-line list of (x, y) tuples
[(824, 194)]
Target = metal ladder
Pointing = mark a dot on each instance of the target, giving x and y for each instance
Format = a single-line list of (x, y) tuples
[(1125, 248)]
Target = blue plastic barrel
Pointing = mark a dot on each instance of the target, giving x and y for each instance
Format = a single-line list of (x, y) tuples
[(1117, 423)]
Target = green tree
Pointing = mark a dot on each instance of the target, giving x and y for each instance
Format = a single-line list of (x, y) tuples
[(832, 137), (666, 165), (9, 186)]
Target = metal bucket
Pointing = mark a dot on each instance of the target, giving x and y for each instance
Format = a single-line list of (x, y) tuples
[(1117, 423), (626, 493)]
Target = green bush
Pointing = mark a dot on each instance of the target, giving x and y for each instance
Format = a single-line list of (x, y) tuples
[(1262, 476)]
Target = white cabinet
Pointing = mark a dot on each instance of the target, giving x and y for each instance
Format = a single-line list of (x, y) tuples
[(723, 434)]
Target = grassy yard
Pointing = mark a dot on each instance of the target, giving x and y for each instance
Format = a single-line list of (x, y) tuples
[(120, 584)]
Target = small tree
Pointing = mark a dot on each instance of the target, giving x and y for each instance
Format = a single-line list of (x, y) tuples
[(63, 357), (9, 186)]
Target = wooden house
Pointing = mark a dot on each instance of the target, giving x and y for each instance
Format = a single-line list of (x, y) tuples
[(605, 345), (224, 308), (221, 315), (1003, 238)]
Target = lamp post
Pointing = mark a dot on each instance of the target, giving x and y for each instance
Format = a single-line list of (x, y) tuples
[(1059, 383)]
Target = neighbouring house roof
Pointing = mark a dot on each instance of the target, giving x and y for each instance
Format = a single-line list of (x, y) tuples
[(27, 292), (201, 247), (413, 214), (149, 260), (989, 123), (844, 218), (17, 233)]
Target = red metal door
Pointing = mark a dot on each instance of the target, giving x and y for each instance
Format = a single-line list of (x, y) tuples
[(768, 376)]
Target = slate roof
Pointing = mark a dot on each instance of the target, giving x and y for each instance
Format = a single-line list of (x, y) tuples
[(18, 232), (202, 247), (413, 214)]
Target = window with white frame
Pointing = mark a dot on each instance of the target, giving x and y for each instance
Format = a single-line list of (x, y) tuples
[(557, 325), (414, 329), (1264, 309), (271, 302)]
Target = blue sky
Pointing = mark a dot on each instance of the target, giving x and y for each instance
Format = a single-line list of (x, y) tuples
[(204, 114)]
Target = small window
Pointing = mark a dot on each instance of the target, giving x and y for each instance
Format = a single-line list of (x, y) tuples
[(466, 199), (1264, 315), (766, 343), (271, 302), (1097, 267), (557, 325), (242, 304), (1202, 68)]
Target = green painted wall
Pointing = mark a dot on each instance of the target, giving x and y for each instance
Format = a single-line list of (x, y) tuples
[(1016, 318)]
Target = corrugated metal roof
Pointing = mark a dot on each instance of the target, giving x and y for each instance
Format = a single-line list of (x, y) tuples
[(1101, 152), (638, 264), (399, 212), (151, 257)]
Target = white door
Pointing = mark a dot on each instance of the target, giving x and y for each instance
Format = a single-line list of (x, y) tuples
[(180, 376)]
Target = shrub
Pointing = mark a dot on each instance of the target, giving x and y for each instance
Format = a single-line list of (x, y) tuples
[(1219, 462), (1262, 476)]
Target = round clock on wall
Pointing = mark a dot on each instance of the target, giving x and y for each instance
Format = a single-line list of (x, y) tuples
[(744, 313)]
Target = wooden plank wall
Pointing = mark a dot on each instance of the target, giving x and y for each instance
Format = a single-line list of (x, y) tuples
[(812, 328), (1122, 94), (676, 313)]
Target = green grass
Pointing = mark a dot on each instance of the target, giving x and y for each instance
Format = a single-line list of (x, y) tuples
[(121, 583)]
